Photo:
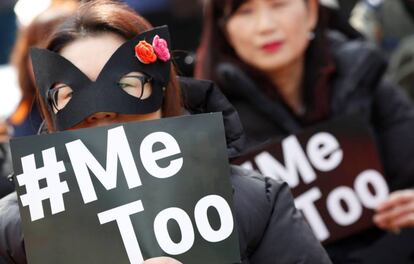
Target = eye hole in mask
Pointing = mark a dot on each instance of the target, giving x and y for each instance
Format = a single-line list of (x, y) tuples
[(136, 84), (59, 96)]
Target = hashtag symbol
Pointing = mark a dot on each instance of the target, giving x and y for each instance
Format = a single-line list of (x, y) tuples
[(54, 190)]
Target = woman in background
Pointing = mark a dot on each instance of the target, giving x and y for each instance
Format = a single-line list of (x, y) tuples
[(284, 72)]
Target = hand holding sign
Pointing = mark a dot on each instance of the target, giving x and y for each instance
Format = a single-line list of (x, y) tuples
[(396, 212)]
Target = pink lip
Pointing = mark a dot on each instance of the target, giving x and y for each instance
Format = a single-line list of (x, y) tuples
[(271, 47)]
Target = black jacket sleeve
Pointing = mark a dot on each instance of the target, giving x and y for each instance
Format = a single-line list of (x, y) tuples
[(393, 118), (6, 187), (11, 235), (271, 229)]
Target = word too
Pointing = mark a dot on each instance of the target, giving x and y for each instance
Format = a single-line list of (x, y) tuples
[(122, 215)]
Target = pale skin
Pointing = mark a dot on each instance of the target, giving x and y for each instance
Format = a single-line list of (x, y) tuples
[(274, 40), (397, 212), (89, 55)]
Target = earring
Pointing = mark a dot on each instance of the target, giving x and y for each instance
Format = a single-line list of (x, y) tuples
[(311, 35)]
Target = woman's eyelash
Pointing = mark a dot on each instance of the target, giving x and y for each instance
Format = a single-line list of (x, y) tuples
[(123, 85)]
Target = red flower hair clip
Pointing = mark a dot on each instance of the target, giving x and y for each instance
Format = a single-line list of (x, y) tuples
[(147, 53)]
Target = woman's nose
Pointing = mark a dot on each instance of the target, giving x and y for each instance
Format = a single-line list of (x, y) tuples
[(101, 116), (265, 20)]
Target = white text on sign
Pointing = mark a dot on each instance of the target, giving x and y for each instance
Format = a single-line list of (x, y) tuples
[(324, 153), (85, 166)]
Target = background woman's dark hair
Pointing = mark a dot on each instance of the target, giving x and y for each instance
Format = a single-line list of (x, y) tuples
[(101, 16), (215, 49)]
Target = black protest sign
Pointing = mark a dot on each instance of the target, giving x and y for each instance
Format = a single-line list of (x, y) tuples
[(334, 172), (128, 192)]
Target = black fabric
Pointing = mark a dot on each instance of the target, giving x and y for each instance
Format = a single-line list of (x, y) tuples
[(104, 94), (409, 6), (270, 228), (357, 87), (6, 186), (204, 97), (338, 20), (11, 235)]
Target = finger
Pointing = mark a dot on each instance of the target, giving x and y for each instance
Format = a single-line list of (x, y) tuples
[(404, 221), (381, 224), (396, 212), (386, 225), (398, 197)]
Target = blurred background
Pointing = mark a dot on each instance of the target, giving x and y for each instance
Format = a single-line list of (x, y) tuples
[(389, 24)]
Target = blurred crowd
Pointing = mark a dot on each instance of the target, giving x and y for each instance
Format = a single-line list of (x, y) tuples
[(334, 48)]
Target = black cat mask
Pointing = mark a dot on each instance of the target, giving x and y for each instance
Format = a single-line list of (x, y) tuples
[(146, 53)]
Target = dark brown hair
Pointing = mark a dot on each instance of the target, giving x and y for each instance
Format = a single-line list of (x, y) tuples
[(101, 16), (215, 49), (34, 35)]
